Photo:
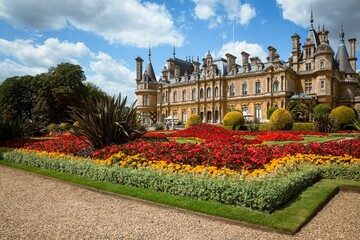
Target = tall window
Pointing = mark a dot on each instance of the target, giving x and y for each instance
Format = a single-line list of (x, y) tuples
[(244, 88), (308, 86), (216, 92), (308, 66), (184, 116), (322, 64), (322, 83), (201, 93), (257, 87), (232, 90), (175, 115), (163, 99), (258, 112), (276, 86), (184, 95), (193, 94), (145, 99), (175, 96), (208, 92)]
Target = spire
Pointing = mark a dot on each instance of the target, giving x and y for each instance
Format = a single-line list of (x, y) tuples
[(342, 35), (174, 52), (312, 19), (149, 54)]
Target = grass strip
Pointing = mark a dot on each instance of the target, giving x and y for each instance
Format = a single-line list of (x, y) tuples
[(288, 219)]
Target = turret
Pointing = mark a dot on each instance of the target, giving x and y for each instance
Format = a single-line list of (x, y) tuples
[(352, 58)]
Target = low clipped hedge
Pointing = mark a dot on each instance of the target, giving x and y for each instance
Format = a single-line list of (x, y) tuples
[(305, 126), (267, 194)]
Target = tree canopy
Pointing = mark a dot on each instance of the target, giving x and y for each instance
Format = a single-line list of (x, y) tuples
[(45, 97)]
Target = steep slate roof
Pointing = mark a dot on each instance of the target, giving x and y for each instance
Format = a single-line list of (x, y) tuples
[(150, 70), (342, 56)]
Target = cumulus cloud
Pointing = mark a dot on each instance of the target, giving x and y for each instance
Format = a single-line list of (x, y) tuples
[(330, 13), (48, 54), (112, 76), (235, 48), (130, 22), (233, 10), (25, 57)]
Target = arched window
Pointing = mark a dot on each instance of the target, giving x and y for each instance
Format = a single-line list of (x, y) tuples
[(193, 94), (208, 92), (232, 90), (175, 96), (216, 92), (276, 86), (257, 87), (184, 95), (201, 93)]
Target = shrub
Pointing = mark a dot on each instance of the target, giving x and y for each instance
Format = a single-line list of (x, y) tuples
[(106, 121), (11, 129), (64, 126), (159, 126), (343, 116), (325, 124), (321, 110), (281, 119), (270, 111), (52, 127), (193, 120), (234, 119)]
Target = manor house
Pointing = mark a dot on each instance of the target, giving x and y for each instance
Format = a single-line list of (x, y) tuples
[(313, 74)]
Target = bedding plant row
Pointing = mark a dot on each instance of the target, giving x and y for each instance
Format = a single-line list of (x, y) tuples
[(224, 166)]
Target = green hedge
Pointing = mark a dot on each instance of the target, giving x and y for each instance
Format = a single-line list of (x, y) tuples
[(266, 194), (306, 126)]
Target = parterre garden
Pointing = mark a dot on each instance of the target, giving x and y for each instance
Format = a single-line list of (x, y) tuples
[(259, 170)]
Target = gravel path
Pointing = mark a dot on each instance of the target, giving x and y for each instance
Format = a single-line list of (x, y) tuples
[(34, 207)]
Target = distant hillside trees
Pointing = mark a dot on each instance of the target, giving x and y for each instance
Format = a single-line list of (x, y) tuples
[(45, 98)]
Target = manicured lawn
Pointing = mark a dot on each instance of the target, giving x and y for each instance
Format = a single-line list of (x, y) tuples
[(308, 139), (288, 219)]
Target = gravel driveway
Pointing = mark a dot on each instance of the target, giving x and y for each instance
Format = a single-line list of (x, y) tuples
[(35, 207)]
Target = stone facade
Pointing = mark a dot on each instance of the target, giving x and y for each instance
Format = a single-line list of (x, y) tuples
[(211, 88)]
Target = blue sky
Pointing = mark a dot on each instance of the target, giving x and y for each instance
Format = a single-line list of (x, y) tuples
[(105, 36)]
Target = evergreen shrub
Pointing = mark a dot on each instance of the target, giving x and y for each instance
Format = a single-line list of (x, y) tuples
[(281, 119), (321, 110), (343, 116), (234, 119), (193, 120)]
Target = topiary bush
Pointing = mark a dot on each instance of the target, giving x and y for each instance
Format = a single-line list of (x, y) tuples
[(281, 119), (193, 120), (233, 119), (270, 111), (343, 116), (321, 110)]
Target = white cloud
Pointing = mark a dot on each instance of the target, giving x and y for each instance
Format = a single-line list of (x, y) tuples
[(25, 57), (330, 13), (129, 22), (232, 10), (112, 76), (10, 68), (48, 54), (235, 48)]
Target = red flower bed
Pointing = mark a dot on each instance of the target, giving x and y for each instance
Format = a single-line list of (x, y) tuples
[(280, 136)]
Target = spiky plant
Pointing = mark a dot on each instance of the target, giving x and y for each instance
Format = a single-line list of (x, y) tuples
[(11, 129), (105, 121)]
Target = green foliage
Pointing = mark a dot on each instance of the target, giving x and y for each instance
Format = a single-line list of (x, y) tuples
[(106, 121), (44, 98), (52, 127), (65, 126), (281, 119), (159, 126), (343, 116), (270, 111), (264, 195), (193, 120), (325, 123), (234, 119), (299, 111), (11, 129), (321, 110), (306, 126)]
